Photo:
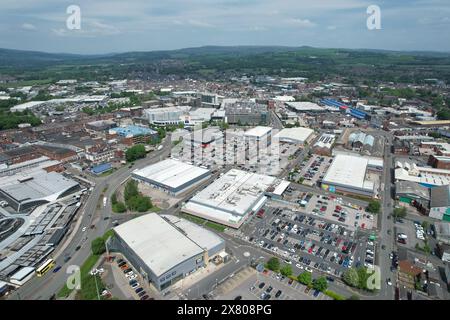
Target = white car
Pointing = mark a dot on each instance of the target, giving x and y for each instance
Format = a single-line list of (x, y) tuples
[(93, 272), (130, 273), (308, 269), (135, 285), (298, 265), (100, 271), (388, 281), (134, 276), (84, 229)]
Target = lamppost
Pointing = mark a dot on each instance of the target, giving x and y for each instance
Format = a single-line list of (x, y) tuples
[(96, 286)]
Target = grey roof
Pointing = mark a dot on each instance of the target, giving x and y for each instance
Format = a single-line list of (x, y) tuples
[(412, 188), (440, 196), (41, 185)]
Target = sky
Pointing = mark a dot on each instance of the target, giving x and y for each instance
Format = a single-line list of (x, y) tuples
[(110, 26)]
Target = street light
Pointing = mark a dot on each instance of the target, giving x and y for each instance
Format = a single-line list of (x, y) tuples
[(96, 286)]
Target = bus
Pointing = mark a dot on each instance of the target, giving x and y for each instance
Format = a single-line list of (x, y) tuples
[(45, 267)]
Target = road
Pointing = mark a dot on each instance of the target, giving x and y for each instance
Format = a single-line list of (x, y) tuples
[(385, 223), (93, 213)]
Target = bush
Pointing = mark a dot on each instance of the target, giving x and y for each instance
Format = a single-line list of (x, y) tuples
[(320, 284), (305, 278), (119, 207), (374, 206), (273, 264), (98, 246), (334, 295), (350, 277), (135, 152), (286, 270)]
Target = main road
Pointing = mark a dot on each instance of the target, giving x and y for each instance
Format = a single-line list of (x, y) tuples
[(92, 213)]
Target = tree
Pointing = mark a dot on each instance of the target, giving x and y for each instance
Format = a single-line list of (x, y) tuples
[(119, 207), (399, 213), (305, 278), (374, 206), (425, 224), (114, 198), (320, 284), (131, 190), (273, 264), (135, 152), (351, 277), (286, 270), (98, 246)]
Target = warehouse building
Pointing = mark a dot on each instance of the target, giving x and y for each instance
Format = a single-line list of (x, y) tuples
[(298, 135), (231, 198), (171, 176), (25, 192), (348, 174), (167, 115), (164, 249)]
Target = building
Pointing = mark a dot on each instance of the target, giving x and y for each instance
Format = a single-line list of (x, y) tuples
[(401, 147), (306, 107), (100, 125), (246, 113), (442, 232), (166, 115), (324, 144), (132, 134), (440, 203), (22, 276), (439, 162), (411, 193), (165, 249), (297, 135), (231, 198), (348, 175), (101, 168), (25, 192), (425, 176), (171, 176), (408, 273)]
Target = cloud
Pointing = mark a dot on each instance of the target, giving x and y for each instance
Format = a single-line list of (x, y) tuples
[(200, 24), (331, 28), (29, 26), (303, 23), (89, 29)]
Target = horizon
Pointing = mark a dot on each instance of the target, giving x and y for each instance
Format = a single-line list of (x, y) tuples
[(228, 46), (112, 27)]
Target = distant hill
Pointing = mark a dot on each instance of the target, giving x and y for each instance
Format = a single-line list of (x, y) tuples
[(210, 61)]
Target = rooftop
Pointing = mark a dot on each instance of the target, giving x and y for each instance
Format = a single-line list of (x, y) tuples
[(258, 132), (132, 131), (170, 172), (298, 134), (347, 170), (159, 243)]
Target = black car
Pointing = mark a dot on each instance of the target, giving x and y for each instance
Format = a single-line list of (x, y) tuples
[(141, 293), (77, 248), (138, 290), (238, 298), (261, 285), (267, 297), (279, 292), (269, 289)]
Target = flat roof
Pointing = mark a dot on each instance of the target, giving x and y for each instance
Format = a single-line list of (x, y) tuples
[(38, 186), (158, 243), (132, 130), (259, 131), (170, 172), (231, 197), (305, 106), (347, 170), (299, 134)]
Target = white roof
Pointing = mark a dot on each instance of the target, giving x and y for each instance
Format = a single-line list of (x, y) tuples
[(295, 135), (347, 170), (228, 199), (259, 131), (170, 172), (157, 242), (305, 106), (279, 189)]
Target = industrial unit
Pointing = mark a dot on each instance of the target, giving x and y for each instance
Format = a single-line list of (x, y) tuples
[(25, 192), (298, 135), (231, 198), (347, 174), (171, 176), (165, 249)]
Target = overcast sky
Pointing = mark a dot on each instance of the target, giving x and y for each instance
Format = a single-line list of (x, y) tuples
[(141, 25)]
